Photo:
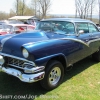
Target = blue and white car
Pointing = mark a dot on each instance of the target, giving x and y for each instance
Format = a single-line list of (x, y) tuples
[(45, 53)]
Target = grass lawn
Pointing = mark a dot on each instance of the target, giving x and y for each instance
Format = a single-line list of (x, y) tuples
[(82, 82)]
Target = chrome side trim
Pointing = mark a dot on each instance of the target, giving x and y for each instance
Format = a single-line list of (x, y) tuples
[(73, 39), (80, 41), (3, 54), (98, 39), (29, 78), (77, 40)]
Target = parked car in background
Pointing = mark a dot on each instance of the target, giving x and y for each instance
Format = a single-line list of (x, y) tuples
[(2, 30), (45, 53), (15, 28)]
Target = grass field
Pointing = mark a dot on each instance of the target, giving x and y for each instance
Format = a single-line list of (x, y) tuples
[(82, 82)]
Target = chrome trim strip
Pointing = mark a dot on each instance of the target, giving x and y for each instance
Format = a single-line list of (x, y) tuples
[(15, 66), (77, 40), (29, 78), (73, 39), (98, 39), (17, 58), (80, 41)]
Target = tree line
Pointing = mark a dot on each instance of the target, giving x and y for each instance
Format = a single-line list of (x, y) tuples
[(40, 8)]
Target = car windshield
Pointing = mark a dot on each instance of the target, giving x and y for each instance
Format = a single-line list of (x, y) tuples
[(61, 27)]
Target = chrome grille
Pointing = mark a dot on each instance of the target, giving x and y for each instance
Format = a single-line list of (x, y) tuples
[(15, 62), (18, 63)]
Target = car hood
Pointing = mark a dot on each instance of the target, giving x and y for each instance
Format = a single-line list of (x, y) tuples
[(12, 44)]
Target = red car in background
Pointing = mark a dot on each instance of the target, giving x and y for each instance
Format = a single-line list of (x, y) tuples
[(15, 28)]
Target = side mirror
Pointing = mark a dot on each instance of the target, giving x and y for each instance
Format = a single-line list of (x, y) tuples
[(80, 32)]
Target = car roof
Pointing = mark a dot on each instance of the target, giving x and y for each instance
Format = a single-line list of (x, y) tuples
[(67, 19)]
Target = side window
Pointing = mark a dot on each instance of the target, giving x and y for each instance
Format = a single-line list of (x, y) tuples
[(70, 28), (92, 28), (63, 26), (82, 27)]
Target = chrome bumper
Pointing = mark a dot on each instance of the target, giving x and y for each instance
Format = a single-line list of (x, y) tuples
[(29, 78), (28, 75)]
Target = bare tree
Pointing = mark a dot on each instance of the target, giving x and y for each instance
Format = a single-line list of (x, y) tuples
[(35, 6), (42, 7), (84, 7), (45, 6), (91, 8), (76, 9), (16, 6), (23, 6), (20, 7)]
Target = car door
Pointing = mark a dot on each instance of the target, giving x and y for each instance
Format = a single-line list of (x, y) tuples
[(83, 39), (95, 36)]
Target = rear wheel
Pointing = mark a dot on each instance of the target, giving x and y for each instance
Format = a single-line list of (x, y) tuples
[(96, 56), (53, 75)]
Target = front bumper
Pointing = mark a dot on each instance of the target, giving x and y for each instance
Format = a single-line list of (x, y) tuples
[(21, 68), (23, 77)]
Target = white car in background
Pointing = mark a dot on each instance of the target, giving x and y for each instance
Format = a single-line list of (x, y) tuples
[(15, 28)]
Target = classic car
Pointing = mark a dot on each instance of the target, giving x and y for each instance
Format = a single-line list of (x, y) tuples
[(15, 28), (44, 54)]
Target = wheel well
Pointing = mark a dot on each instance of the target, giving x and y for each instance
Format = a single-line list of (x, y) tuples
[(60, 59)]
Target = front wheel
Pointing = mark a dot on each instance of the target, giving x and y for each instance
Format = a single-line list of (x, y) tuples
[(53, 75)]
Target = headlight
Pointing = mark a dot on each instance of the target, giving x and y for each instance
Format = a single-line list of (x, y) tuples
[(25, 53), (1, 60)]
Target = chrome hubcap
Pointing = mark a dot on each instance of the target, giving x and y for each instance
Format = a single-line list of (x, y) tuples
[(54, 76)]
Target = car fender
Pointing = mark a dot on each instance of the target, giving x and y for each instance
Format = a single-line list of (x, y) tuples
[(46, 59)]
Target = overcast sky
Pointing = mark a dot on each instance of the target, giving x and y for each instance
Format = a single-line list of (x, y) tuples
[(58, 6)]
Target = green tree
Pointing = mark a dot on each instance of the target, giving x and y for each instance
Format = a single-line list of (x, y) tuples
[(3, 15)]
